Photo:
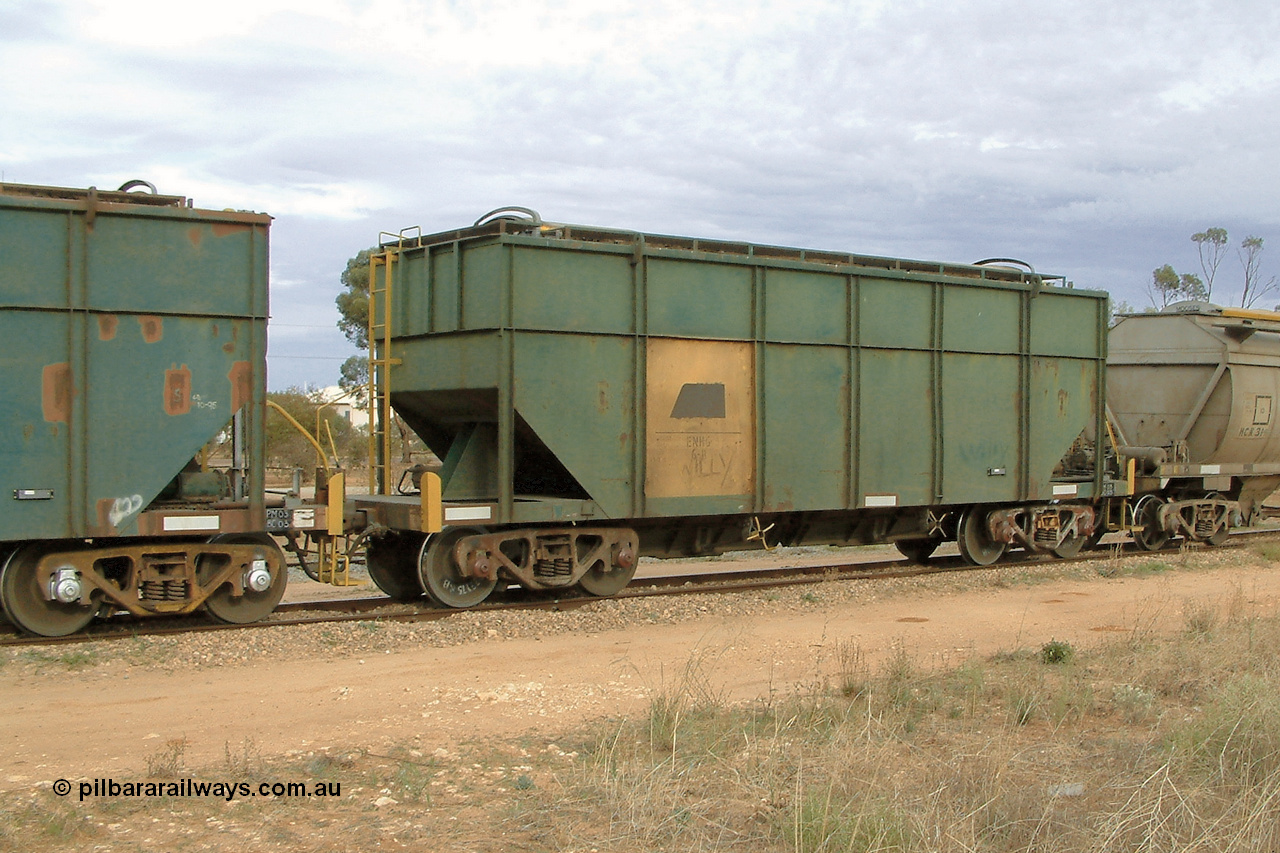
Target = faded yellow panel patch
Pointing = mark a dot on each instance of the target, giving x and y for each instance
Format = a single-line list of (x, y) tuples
[(700, 418)]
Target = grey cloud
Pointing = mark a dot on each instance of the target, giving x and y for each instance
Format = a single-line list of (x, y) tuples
[(1089, 138), (30, 20)]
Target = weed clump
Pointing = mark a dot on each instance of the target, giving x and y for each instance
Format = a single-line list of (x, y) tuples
[(1056, 652), (168, 761)]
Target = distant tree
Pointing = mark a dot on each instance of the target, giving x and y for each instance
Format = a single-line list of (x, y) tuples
[(287, 448), (353, 301), (1167, 287), (1211, 244), (1250, 254), (353, 377), (1118, 310)]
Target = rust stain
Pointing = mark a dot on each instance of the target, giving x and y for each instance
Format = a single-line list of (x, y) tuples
[(228, 347), (177, 391), (104, 527), (107, 324), (241, 377), (57, 392), (28, 431), (225, 229), (195, 234), (152, 328)]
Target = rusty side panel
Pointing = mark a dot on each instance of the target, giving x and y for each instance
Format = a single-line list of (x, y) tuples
[(241, 378), (116, 368), (107, 325), (226, 229), (104, 527), (57, 392), (152, 328), (700, 419), (177, 391)]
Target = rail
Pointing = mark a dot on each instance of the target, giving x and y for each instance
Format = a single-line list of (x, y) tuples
[(366, 609)]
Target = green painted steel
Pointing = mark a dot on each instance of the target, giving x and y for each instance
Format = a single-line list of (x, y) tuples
[(652, 376), (133, 325)]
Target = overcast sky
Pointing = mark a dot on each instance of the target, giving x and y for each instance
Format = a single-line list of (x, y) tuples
[(1090, 139)]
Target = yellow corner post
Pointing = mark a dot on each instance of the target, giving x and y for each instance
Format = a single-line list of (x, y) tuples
[(337, 500), (335, 563), (432, 505)]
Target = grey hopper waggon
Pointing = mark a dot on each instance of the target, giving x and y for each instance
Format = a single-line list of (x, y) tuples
[(1192, 400), (597, 395)]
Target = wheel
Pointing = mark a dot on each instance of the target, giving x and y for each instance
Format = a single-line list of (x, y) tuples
[(252, 605), (22, 595), (1147, 533), (1219, 536), (917, 550), (976, 546), (392, 561), (440, 575), (1070, 547), (4, 556), (608, 580)]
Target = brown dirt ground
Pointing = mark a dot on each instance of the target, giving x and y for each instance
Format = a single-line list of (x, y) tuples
[(98, 721)]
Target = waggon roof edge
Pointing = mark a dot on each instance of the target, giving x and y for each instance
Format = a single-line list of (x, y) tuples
[(1000, 271)]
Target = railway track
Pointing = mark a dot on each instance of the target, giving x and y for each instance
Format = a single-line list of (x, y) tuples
[(123, 626)]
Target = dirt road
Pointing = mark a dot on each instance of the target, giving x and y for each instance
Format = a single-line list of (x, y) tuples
[(104, 710)]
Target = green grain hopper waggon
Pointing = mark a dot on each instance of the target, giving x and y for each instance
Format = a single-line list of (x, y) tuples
[(134, 330), (596, 395)]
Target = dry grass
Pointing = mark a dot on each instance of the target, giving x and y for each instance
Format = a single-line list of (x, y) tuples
[(1143, 745)]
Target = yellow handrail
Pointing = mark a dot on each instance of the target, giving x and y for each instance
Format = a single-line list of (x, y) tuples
[(300, 428)]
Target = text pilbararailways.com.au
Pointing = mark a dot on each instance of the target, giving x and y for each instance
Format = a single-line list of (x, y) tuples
[(110, 788)]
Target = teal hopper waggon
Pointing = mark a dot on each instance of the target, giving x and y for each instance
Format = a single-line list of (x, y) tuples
[(598, 395), (134, 330)]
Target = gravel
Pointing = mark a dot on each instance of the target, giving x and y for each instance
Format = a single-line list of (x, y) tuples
[(365, 637)]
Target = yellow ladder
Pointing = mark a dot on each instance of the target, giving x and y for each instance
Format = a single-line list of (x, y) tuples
[(382, 269)]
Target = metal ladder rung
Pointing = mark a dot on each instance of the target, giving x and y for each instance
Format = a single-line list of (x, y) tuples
[(380, 360)]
